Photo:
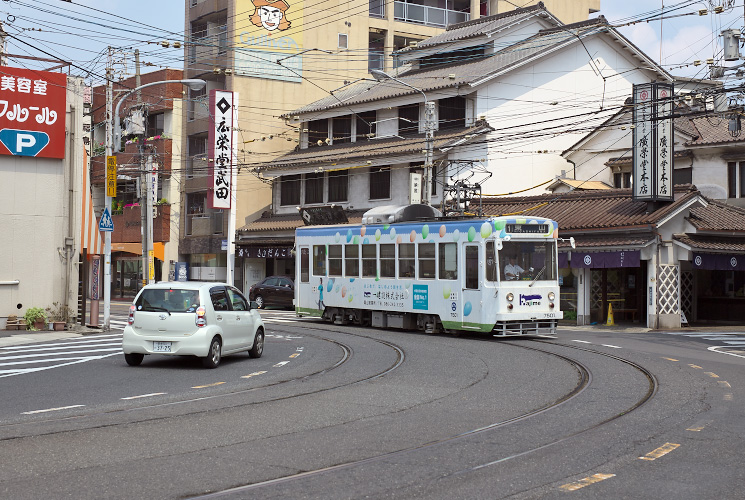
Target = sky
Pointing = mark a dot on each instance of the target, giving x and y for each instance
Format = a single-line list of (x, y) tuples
[(81, 30)]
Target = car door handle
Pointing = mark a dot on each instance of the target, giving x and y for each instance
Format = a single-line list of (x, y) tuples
[(219, 318), (238, 318)]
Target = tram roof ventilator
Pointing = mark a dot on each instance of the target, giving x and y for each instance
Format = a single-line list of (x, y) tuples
[(389, 214)]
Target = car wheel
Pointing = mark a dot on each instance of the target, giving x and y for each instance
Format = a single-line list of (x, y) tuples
[(133, 359), (258, 348), (260, 301), (213, 355)]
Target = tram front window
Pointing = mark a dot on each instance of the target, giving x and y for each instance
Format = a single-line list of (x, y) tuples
[(521, 260)]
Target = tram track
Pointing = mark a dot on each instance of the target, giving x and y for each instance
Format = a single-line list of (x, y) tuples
[(584, 382)]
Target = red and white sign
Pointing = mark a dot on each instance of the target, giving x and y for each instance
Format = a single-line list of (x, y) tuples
[(32, 112)]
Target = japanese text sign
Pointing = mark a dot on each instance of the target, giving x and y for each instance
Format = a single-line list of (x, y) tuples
[(653, 142), (221, 145), (111, 176), (32, 112)]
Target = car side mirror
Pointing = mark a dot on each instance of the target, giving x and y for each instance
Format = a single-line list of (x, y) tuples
[(254, 305)]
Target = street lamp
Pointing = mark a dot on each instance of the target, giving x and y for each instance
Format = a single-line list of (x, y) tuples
[(193, 84), (429, 112)]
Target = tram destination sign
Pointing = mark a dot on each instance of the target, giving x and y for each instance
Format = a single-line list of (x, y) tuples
[(526, 228)]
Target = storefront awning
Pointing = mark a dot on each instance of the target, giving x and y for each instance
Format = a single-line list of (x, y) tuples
[(719, 262), (600, 260), (136, 248)]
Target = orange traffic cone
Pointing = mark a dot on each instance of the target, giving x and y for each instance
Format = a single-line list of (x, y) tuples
[(610, 321)]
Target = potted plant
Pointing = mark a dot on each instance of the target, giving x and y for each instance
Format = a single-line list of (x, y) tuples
[(59, 314), (35, 318)]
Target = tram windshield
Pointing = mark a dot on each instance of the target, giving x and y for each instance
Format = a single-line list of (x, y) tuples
[(527, 260)]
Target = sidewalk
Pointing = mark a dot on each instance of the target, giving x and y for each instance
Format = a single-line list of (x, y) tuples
[(16, 337)]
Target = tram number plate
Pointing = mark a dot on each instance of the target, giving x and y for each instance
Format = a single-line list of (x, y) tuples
[(550, 315), (161, 346)]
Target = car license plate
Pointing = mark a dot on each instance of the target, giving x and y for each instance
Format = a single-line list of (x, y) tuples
[(162, 346)]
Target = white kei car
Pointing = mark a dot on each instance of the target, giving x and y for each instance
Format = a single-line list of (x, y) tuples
[(192, 318)]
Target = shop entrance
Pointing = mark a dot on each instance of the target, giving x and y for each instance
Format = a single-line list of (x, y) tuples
[(623, 289)]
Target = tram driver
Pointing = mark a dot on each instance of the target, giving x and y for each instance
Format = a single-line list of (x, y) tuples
[(512, 270)]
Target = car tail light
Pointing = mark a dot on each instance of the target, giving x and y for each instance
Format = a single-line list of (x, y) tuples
[(201, 320), (131, 318)]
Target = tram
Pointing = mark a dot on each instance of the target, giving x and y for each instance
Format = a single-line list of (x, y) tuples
[(405, 267)]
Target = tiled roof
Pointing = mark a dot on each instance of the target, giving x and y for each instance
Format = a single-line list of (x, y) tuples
[(373, 148), (271, 223), (590, 210), (609, 241), (713, 130), (466, 73), (717, 216), (706, 243), (581, 185), (481, 26)]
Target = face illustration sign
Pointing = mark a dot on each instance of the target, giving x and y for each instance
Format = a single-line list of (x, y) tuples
[(270, 15)]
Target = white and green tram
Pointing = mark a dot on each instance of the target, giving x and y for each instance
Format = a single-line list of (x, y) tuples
[(433, 274)]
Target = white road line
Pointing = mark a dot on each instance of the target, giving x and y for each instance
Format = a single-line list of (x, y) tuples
[(26, 356), (613, 346), (85, 340), (146, 395), (60, 349), (735, 342), (716, 349), (51, 409), (281, 363), (39, 369), (582, 341)]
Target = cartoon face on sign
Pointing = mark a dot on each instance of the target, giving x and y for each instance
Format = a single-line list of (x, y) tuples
[(270, 14)]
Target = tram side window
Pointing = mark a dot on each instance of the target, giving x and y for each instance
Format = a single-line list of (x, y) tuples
[(370, 261), (406, 260), (387, 260), (472, 267), (491, 262), (305, 264), (352, 260), (448, 261), (334, 260), (426, 261), (319, 260)]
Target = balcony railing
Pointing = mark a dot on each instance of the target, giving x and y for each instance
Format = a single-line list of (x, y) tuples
[(204, 224), (429, 16)]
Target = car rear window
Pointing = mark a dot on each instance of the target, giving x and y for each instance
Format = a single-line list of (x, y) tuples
[(168, 299)]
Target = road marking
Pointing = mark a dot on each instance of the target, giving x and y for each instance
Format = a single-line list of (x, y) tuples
[(295, 355), (254, 374), (51, 409), (281, 363), (724, 383), (695, 366), (712, 374), (613, 346), (208, 385), (595, 478), (670, 359), (716, 349), (728, 397), (582, 341), (146, 395), (660, 452)]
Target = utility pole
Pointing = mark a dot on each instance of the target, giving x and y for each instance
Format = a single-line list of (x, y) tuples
[(107, 202), (144, 187), (429, 130)]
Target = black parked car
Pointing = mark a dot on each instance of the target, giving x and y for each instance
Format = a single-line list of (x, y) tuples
[(273, 291)]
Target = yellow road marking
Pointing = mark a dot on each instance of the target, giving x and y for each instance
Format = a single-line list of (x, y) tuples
[(712, 374), (253, 374), (295, 355), (660, 452), (595, 478), (694, 366), (670, 359), (723, 383), (728, 397), (208, 385), (698, 428)]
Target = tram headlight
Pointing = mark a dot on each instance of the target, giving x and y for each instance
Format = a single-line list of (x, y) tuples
[(551, 295), (510, 297)]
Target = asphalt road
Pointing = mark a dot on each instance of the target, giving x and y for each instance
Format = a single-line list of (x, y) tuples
[(345, 412)]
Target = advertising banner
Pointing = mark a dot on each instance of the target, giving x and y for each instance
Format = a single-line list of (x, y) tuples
[(221, 136), (653, 144), (32, 113)]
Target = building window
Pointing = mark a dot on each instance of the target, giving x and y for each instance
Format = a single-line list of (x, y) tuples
[(313, 188), (452, 112), (408, 119), (376, 50), (198, 104), (622, 180), (338, 183), (334, 260), (351, 260), (380, 183), (289, 190), (222, 39), (341, 129), (198, 39), (427, 261), (343, 40), (377, 8), (365, 126), (736, 179), (155, 124), (197, 159), (318, 131), (388, 260), (369, 261), (683, 176)]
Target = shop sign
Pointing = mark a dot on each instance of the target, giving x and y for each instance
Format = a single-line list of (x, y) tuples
[(602, 260), (264, 252), (32, 112), (221, 146), (719, 262)]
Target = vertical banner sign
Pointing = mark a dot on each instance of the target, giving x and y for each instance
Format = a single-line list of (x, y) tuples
[(642, 137), (664, 141), (653, 142), (32, 113), (415, 188), (221, 147), (271, 43), (153, 181), (111, 176)]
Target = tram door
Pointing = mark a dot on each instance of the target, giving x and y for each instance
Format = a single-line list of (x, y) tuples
[(471, 301)]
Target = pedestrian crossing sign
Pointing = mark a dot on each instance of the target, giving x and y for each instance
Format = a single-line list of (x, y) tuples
[(106, 224)]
